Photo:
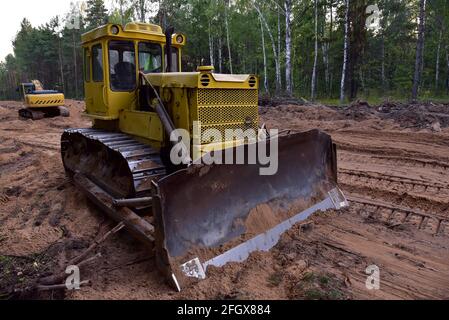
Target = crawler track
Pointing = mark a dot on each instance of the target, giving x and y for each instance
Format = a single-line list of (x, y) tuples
[(50, 112), (394, 182), (390, 160), (117, 162), (394, 216)]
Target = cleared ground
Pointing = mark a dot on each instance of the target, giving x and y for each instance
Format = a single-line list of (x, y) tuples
[(393, 166)]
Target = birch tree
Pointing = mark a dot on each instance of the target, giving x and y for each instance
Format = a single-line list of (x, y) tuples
[(315, 62), (228, 36), (345, 53), (61, 65), (265, 73), (437, 63), (419, 50), (142, 9), (273, 43), (121, 8), (331, 38), (279, 42), (325, 45), (220, 55), (75, 63), (211, 46), (288, 47), (447, 69)]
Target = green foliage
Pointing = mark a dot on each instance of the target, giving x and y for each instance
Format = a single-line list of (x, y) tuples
[(96, 14), (275, 279), (381, 61), (318, 287)]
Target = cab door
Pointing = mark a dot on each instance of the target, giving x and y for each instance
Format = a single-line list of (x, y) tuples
[(122, 76), (96, 96)]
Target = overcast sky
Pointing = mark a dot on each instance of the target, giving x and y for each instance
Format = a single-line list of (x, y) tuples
[(37, 11)]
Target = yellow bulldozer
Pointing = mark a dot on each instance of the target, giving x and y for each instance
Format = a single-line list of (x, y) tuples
[(155, 158), (40, 103)]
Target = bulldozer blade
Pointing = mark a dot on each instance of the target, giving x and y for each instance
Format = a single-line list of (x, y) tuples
[(212, 215)]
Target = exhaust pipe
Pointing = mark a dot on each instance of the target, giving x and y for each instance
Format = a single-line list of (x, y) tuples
[(168, 49)]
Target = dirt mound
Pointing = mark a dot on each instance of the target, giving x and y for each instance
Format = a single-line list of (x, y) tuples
[(311, 112), (270, 101), (421, 116), (395, 175), (358, 110)]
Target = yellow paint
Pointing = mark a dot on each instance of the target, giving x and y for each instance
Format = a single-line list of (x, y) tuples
[(219, 101), (44, 100), (34, 98), (142, 124)]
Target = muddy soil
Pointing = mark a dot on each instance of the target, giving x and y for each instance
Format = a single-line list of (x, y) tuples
[(393, 167)]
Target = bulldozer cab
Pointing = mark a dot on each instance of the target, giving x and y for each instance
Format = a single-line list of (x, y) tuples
[(113, 58)]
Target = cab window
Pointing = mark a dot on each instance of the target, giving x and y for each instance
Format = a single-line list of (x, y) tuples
[(86, 65), (122, 65), (97, 63), (150, 57)]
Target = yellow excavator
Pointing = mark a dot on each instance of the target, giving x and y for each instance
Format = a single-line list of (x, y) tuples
[(40, 103), (146, 160)]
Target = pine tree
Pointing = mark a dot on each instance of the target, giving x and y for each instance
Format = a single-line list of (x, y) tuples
[(96, 14)]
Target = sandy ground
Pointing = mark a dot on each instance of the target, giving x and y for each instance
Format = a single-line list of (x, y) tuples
[(393, 166)]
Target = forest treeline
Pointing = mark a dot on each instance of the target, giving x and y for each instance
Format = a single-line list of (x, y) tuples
[(325, 49)]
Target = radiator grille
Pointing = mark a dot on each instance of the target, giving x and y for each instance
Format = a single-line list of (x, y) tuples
[(214, 97), (227, 114), (223, 109)]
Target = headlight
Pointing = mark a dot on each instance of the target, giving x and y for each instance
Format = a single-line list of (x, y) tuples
[(180, 39), (115, 30)]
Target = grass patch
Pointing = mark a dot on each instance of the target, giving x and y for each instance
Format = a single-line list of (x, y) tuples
[(308, 277), (318, 287), (18, 274), (324, 280), (3, 237), (314, 294), (275, 279)]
